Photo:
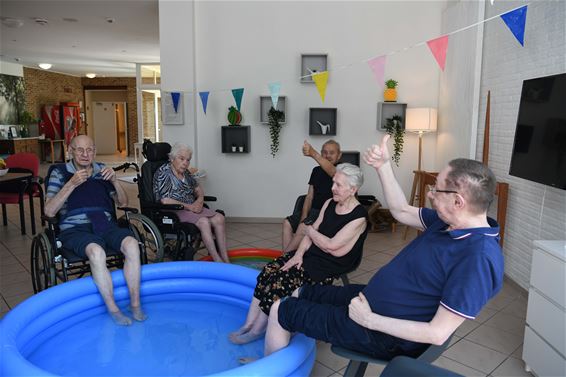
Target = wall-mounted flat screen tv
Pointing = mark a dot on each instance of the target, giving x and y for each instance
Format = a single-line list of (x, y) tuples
[(539, 151)]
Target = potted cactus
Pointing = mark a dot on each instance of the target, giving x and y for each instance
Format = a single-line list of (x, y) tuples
[(390, 92), (234, 116)]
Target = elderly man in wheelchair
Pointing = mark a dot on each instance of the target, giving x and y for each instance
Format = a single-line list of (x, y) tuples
[(83, 193)]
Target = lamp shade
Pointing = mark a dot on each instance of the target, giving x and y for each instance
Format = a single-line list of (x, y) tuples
[(422, 119)]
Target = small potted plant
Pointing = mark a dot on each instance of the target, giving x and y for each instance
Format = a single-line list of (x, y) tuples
[(234, 116), (394, 127), (274, 118), (390, 92), (26, 119)]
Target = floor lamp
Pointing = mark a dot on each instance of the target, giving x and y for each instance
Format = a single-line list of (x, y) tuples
[(419, 120)]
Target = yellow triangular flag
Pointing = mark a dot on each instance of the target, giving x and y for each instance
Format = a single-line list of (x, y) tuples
[(320, 79)]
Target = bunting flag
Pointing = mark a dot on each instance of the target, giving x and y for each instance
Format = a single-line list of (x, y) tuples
[(274, 89), (204, 99), (377, 66), (320, 79), (438, 48), (515, 21), (238, 93), (175, 98)]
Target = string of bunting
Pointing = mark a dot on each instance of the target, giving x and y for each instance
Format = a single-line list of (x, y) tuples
[(514, 19)]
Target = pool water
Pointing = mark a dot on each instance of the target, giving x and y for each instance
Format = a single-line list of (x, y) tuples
[(185, 334)]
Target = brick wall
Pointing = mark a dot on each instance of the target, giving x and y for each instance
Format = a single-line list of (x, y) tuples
[(130, 84), (49, 88), (535, 211)]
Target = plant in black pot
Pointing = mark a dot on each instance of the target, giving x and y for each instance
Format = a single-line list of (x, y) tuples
[(394, 127), (274, 118)]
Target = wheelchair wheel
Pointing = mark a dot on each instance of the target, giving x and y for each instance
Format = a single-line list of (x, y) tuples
[(42, 269), (149, 236)]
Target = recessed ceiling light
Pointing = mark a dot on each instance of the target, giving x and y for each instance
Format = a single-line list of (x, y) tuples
[(41, 21), (44, 65), (12, 22), (70, 19), (91, 75)]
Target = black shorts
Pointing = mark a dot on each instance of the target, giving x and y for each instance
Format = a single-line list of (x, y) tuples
[(295, 218), (79, 236)]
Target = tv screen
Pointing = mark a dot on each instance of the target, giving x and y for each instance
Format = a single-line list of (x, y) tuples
[(539, 150)]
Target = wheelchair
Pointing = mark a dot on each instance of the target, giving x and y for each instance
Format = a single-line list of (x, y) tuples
[(181, 240), (51, 262)]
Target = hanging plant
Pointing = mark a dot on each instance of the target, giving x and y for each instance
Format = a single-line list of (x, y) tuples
[(394, 127), (274, 118)]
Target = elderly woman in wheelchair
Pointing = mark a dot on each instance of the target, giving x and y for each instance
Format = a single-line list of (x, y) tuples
[(83, 193), (174, 184), (332, 246)]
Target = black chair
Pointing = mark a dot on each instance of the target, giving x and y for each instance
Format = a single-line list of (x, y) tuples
[(404, 366), (181, 240), (359, 361), (51, 262)]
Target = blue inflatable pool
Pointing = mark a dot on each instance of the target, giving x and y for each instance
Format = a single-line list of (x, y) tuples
[(192, 306)]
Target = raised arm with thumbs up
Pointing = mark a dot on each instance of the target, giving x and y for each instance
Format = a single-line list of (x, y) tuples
[(378, 157)]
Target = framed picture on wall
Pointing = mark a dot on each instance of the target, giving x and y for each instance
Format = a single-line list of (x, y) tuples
[(14, 132), (172, 108)]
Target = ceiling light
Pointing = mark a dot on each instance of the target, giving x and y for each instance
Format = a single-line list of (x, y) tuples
[(91, 75), (10, 22), (44, 65), (41, 21)]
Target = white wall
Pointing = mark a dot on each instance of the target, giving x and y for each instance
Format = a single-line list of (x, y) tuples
[(249, 44), (535, 211), (12, 69)]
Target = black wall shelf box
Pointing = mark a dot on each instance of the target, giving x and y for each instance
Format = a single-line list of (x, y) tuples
[(387, 110), (322, 121), (265, 104), (236, 139), (314, 63), (352, 157)]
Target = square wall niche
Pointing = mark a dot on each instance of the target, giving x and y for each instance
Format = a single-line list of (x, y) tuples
[(386, 110), (314, 63), (322, 121), (265, 104), (352, 157), (236, 139)]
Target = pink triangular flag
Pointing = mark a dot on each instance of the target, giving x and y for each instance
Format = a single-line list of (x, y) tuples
[(377, 66), (438, 48)]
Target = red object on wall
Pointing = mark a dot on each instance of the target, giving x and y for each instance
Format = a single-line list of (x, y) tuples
[(50, 124), (70, 120)]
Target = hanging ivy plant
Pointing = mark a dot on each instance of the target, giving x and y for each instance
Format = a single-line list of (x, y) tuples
[(274, 118), (394, 127)]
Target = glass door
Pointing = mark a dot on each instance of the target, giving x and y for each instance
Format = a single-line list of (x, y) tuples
[(148, 78)]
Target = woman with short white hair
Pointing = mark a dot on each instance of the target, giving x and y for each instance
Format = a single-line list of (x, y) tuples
[(174, 184)]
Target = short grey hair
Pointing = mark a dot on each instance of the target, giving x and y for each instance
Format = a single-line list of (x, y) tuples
[(178, 147), (474, 179), (353, 174)]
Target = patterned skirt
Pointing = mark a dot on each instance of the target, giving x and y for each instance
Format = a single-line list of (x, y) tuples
[(273, 284)]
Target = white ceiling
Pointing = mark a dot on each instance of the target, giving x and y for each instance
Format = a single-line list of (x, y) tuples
[(78, 38)]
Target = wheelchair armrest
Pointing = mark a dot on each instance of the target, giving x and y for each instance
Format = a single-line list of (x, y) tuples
[(128, 209), (159, 206), (210, 198), (50, 220)]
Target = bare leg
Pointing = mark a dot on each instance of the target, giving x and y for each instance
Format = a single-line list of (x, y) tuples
[(206, 233), (253, 313), (296, 240), (219, 226), (276, 337), (103, 281), (132, 272), (287, 233), (256, 332)]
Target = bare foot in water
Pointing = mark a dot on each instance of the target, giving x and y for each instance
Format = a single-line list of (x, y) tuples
[(247, 360), (246, 337), (138, 313), (120, 319)]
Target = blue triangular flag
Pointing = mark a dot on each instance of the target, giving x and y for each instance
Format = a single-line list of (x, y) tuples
[(204, 99), (515, 21), (175, 97), (274, 89), (238, 93)]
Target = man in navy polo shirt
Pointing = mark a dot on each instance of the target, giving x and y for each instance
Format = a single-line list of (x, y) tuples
[(440, 279)]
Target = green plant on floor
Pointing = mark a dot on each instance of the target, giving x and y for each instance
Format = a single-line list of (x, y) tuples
[(394, 127), (274, 118)]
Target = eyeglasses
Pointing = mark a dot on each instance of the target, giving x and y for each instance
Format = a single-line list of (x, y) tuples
[(88, 151), (433, 190)]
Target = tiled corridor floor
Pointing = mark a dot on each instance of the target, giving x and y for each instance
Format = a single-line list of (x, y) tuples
[(490, 345)]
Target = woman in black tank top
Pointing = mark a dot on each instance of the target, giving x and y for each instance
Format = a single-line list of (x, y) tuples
[(332, 246)]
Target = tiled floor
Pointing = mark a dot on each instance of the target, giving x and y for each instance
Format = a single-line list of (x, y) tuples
[(491, 345)]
